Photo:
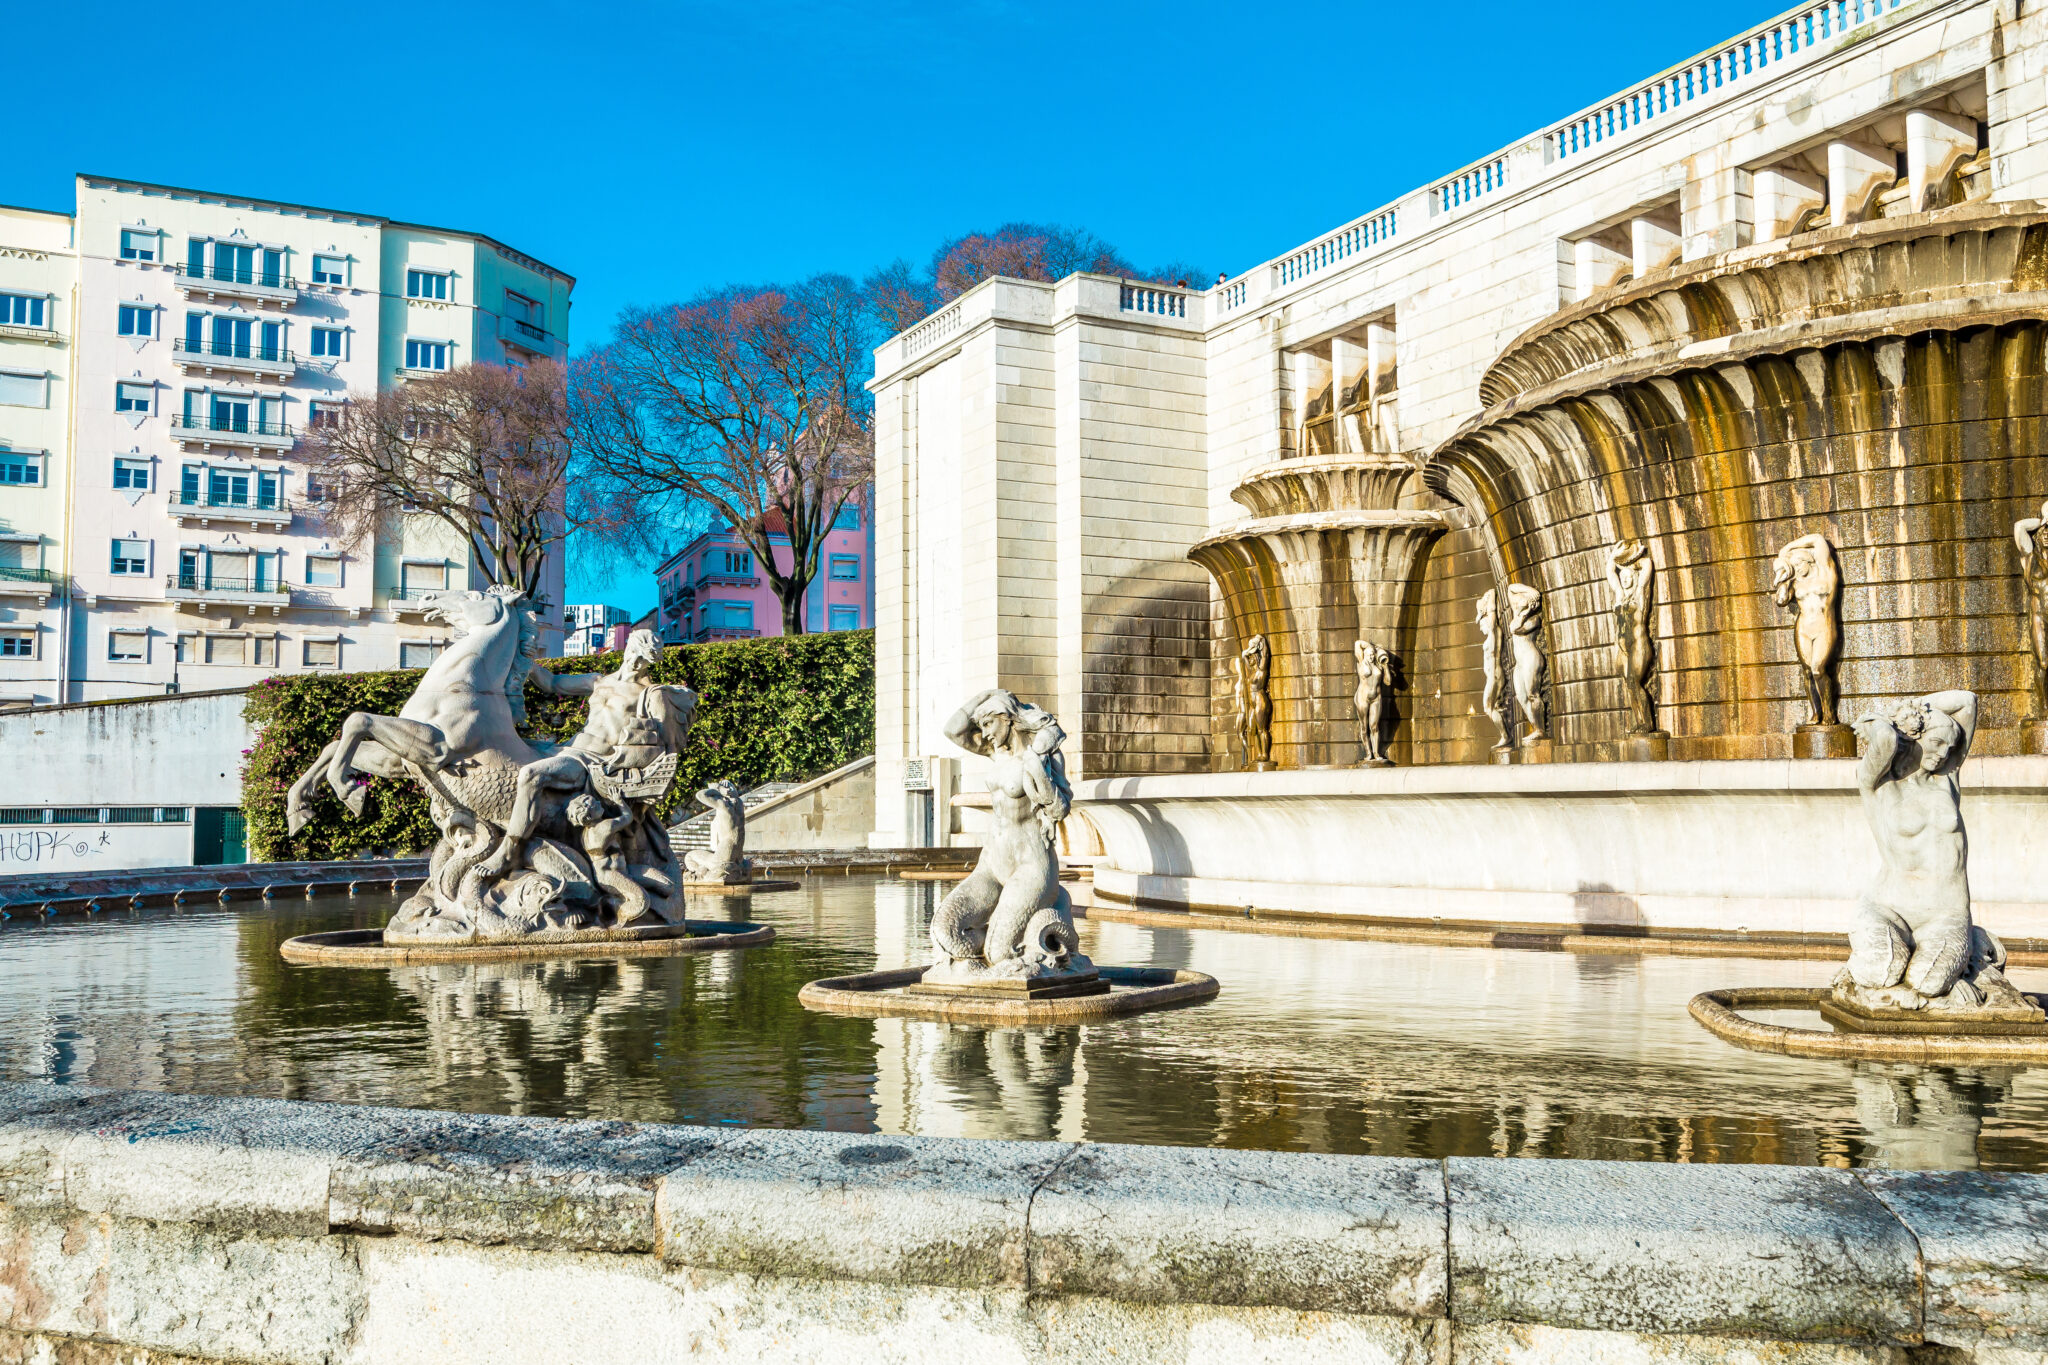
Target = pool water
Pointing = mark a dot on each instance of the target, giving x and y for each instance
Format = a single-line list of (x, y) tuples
[(1313, 1045)]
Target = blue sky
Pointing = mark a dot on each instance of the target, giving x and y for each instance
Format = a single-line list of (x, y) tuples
[(653, 150)]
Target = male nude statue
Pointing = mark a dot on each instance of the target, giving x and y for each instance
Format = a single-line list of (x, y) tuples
[(1804, 572), (2027, 532)]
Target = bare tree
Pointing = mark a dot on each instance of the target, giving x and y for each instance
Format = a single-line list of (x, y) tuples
[(900, 295), (750, 401), (482, 449)]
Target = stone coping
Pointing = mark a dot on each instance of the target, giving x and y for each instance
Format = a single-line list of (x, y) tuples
[(1133, 990), (368, 947), (1719, 1013), (2027, 772), (1789, 1254)]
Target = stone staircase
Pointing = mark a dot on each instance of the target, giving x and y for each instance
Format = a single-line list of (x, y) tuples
[(695, 832)]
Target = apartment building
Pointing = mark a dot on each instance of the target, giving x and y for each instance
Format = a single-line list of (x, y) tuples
[(595, 628), (712, 589), (187, 340)]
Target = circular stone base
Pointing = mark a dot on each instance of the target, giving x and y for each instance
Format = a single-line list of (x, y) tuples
[(742, 888), (1133, 990), (1823, 741), (367, 948), (1716, 1012)]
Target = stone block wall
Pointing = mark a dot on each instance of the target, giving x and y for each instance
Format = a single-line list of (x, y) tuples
[(163, 1228)]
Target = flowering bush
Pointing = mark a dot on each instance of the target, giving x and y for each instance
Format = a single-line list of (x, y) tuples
[(782, 709)]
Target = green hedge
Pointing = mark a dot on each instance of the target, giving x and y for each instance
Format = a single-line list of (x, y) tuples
[(781, 709)]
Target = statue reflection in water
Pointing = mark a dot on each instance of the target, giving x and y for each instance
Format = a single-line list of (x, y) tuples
[(1925, 1118), (1014, 1082)]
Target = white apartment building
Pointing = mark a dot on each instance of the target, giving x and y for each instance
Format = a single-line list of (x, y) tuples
[(169, 347), (593, 628)]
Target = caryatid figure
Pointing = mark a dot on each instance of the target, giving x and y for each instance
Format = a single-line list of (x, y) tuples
[(1532, 670), (1804, 576), (1375, 678), (2034, 574), (1257, 658), (1495, 695), (1633, 579)]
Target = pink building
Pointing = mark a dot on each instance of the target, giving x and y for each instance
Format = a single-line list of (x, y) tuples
[(711, 589)]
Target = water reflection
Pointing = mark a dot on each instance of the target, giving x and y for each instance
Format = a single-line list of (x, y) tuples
[(1314, 1045)]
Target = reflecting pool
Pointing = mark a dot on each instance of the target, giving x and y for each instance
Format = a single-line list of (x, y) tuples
[(1313, 1045)]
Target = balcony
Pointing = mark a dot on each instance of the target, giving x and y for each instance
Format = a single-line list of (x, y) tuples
[(48, 336), (206, 357), (725, 633), (193, 508), (36, 583), (231, 431), (201, 591), (410, 601), (529, 338), (258, 286)]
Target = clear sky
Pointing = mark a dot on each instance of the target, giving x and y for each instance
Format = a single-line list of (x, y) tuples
[(654, 150)]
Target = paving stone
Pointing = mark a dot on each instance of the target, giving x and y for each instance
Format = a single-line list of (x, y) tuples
[(1194, 1225), (1767, 1251)]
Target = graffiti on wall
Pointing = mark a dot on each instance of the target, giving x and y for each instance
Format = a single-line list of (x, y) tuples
[(32, 846)]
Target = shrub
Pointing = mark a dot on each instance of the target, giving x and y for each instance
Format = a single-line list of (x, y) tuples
[(782, 709)]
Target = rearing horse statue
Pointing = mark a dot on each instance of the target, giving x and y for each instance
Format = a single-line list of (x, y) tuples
[(458, 734)]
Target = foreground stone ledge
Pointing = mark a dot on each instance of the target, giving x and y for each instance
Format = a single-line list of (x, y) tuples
[(1191, 1225), (1984, 1242), (1785, 1252), (932, 1211)]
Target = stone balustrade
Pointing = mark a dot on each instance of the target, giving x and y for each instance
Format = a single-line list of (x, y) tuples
[(199, 1229)]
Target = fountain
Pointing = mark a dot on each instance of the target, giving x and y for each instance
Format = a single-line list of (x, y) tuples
[(544, 849), (1004, 946)]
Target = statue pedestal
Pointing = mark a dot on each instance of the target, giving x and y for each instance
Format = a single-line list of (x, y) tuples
[(1654, 747), (1038, 986), (1823, 741), (1375, 763), (1503, 753), (2034, 735), (1851, 1017), (1537, 751)]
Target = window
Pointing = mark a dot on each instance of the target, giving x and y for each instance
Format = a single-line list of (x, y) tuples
[(330, 270), (171, 815), (327, 342), (134, 397), (846, 568), (418, 578), (426, 355), (843, 618), (425, 284), (738, 562), (137, 320), (131, 557), (322, 654), (263, 651), (22, 310), (227, 649), (24, 390), (730, 615), (323, 571), (520, 308), (19, 554), (131, 473), (20, 467), (418, 653), (138, 244), (187, 646), (127, 646), (17, 644), (322, 415), (848, 518)]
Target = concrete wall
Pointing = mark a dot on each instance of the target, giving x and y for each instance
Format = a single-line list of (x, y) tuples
[(179, 752), (834, 811), (1756, 847), (222, 1229)]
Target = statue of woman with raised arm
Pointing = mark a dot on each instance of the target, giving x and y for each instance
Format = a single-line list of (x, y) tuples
[(1912, 943), (1010, 924)]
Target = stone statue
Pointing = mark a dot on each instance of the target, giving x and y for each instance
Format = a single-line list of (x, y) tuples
[(725, 861), (2034, 574), (1632, 579), (1495, 699), (1912, 943), (1804, 574), (1240, 712), (535, 838), (1375, 679), (1532, 671), (1010, 924), (1256, 668)]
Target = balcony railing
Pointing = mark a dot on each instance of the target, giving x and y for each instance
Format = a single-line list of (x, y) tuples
[(232, 426), (230, 351), (12, 575), (221, 274), (259, 502), (213, 582)]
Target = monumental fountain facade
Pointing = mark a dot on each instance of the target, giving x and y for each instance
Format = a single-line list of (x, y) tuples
[(1692, 428)]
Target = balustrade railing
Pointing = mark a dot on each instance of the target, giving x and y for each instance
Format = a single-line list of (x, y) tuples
[(1139, 298)]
